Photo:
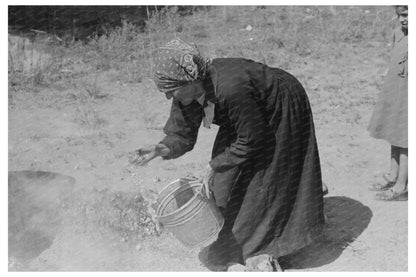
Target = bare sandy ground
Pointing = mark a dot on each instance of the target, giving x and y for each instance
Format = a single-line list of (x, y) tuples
[(72, 223)]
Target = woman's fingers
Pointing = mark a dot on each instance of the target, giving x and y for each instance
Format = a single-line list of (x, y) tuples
[(143, 155), (144, 159), (147, 153), (133, 156)]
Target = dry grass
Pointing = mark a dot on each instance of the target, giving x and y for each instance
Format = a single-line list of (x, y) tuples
[(87, 101), (280, 36), (277, 35), (124, 214)]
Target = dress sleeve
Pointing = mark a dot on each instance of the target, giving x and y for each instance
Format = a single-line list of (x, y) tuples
[(181, 129), (250, 126)]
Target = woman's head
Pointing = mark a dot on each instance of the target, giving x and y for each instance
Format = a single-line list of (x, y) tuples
[(402, 13), (187, 93), (178, 65)]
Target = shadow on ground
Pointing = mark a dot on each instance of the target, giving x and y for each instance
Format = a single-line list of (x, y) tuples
[(346, 219), (35, 200)]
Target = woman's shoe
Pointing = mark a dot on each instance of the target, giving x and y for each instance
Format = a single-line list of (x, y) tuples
[(206, 260), (235, 267), (263, 263), (217, 256)]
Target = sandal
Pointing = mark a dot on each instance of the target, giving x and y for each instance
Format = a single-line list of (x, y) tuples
[(387, 178), (392, 195), (382, 186)]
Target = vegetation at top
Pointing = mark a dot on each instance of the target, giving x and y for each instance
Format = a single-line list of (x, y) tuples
[(66, 43)]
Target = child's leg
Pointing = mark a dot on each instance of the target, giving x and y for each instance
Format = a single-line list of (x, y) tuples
[(394, 163), (399, 191), (391, 176), (401, 183)]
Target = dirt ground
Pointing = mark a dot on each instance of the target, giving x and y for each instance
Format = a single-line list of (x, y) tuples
[(51, 130)]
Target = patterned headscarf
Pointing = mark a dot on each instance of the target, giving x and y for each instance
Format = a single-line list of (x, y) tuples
[(178, 63)]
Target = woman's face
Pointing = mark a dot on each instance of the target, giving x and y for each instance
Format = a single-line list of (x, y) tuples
[(187, 93)]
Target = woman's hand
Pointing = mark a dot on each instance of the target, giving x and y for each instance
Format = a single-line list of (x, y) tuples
[(207, 179), (147, 153)]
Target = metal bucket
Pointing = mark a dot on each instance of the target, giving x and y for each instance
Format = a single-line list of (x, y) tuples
[(183, 209)]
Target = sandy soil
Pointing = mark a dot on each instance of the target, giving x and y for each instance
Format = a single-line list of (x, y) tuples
[(93, 229)]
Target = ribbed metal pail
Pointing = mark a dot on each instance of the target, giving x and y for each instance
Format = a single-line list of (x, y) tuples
[(184, 210)]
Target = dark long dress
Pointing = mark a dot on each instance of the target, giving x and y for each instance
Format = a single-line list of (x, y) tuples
[(265, 152)]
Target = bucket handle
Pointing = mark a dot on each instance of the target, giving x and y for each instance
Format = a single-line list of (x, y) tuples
[(203, 195)]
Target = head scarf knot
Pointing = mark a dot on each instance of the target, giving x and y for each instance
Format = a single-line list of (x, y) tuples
[(178, 63)]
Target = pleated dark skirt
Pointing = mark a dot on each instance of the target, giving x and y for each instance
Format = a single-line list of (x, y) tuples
[(274, 204)]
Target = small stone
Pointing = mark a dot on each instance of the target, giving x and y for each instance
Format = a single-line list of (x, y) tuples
[(314, 86), (139, 247)]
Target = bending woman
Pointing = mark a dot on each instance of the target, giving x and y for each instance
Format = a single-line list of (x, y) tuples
[(264, 172)]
